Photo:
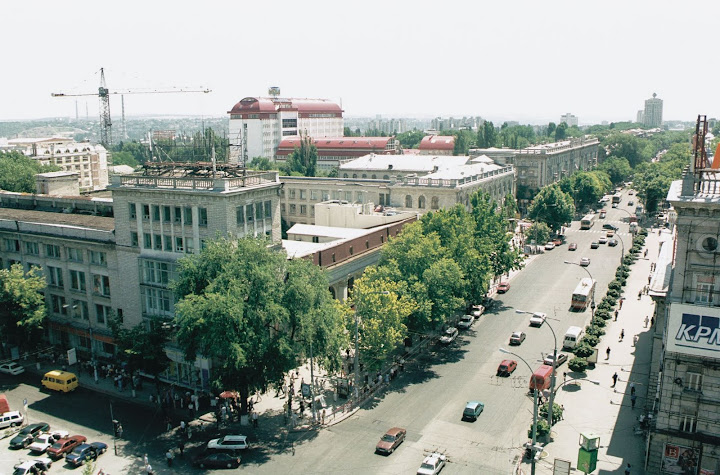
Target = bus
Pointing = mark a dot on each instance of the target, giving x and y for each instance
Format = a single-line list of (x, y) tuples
[(587, 221), (616, 198), (583, 295)]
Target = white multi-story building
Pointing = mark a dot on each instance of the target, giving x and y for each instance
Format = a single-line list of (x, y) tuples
[(89, 161), (569, 119), (258, 124), (652, 116)]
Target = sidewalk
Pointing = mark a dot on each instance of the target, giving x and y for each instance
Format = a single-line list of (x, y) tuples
[(606, 409)]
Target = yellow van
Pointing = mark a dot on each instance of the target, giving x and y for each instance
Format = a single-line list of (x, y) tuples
[(60, 381)]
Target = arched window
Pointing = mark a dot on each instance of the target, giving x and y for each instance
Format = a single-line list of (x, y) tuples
[(386, 177), (421, 202), (435, 203), (374, 177), (354, 175), (364, 175), (345, 175), (408, 201)]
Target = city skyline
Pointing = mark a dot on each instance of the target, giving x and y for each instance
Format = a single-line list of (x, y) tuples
[(529, 62)]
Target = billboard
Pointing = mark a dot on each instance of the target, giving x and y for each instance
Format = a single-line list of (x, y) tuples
[(680, 459), (694, 330)]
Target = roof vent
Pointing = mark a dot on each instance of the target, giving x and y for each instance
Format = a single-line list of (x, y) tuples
[(390, 166)]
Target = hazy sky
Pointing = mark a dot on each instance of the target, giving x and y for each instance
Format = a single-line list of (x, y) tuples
[(524, 59)]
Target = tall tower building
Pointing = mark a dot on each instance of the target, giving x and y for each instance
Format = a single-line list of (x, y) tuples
[(652, 117)]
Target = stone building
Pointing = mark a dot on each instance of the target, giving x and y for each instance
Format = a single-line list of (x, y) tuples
[(333, 151), (652, 115)]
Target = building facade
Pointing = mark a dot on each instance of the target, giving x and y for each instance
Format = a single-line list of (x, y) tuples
[(258, 124), (332, 151), (652, 115), (569, 119)]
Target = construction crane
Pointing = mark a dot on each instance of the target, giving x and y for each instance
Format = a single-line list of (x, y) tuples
[(104, 95)]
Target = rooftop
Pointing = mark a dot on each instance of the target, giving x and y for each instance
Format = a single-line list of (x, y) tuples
[(437, 142), (404, 163), (58, 219)]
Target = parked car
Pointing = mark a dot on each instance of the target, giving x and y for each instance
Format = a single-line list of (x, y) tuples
[(44, 441), (229, 442), (558, 239), (11, 368), (631, 203), (391, 440), (610, 234), (594, 245), (612, 242), (32, 467), (503, 287), (584, 261), (217, 460), (537, 319), (602, 240), (631, 192), (614, 205), (549, 246), (477, 310), (610, 226), (63, 446), (449, 336), (506, 367), (432, 464), (517, 338), (472, 410), (572, 246), (27, 435), (466, 322), (561, 358), (86, 452)]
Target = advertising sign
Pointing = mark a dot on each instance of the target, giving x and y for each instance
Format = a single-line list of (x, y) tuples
[(694, 330), (680, 459)]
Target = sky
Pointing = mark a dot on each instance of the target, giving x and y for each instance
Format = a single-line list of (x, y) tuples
[(522, 60)]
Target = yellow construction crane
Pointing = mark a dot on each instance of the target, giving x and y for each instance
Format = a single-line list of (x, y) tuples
[(104, 96)]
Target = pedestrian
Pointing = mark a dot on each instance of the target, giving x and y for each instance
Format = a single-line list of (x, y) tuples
[(323, 417), (649, 279), (607, 353), (621, 302), (168, 422), (169, 456), (149, 470), (646, 251), (622, 334), (632, 400), (635, 339), (564, 376), (189, 433), (640, 294), (145, 460), (647, 319), (614, 378), (632, 389), (181, 447), (616, 314), (627, 468), (652, 320), (255, 419)]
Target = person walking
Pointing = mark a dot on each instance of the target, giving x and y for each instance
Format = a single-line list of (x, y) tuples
[(627, 469), (149, 470), (632, 400), (622, 334), (169, 456), (181, 448), (616, 314), (255, 419), (632, 389), (622, 299), (614, 378), (647, 319), (640, 292), (607, 353), (652, 320)]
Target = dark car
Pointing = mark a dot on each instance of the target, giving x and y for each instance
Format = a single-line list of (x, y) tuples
[(594, 245), (391, 440), (86, 452), (26, 436), (217, 460), (63, 446), (612, 242), (610, 226)]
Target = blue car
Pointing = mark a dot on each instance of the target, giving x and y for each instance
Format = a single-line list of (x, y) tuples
[(85, 452)]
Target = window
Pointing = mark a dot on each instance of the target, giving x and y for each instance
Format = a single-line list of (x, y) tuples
[(55, 276), (178, 215), (303, 210), (77, 280), (240, 216), (167, 243), (351, 251), (435, 203), (146, 212), (51, 250), (408, 201), (292, 193), (157, 273), (688, 423), (134, 239), (421, 202), (282, 208), (32, 248), (74, 254), (133, 210), (157, 242), (80, 310), (156, 213), (188, 215), (693, 381), (325, 195), (268, 209), (156, 301), (202, 217), (189, 245), (258, 211), (293, 209), (179, 244), (98, 258), (57, 304), (166, 214), (314, 195), (12, 245), (303, 194), (348, 196), (102, 313), (249, 213), (101, 285), (147, 239)]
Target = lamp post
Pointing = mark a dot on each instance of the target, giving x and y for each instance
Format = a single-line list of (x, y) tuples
[(535, 410), (592, 303), (357, 349)]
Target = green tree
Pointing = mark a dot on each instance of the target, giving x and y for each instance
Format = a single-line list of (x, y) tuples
[(560, 131), (463, 142), (260, 163), (492, 239), (22, 304), (255, 314), (489, 134), (551, 129), (617, 168), (538, 232), (347, 132), (17, 172), (410, 139), (142, 347), (623, 146), (552, 206), (589, 187), (124, 158), (303, 159)]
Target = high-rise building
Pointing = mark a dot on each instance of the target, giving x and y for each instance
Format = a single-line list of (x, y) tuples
[(652, 116), (640, 117), (569, 119)]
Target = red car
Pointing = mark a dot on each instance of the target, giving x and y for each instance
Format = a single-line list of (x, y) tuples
[(503, 287), (64, 446), (391, 440), (506, 367), (572, 246)]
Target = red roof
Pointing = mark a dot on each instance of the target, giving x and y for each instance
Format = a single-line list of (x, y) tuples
[(350, 146), (254, 104), (437, 142), (268, 105)]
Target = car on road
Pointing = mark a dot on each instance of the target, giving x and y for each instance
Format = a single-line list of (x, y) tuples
[(594, 245), (432, 464), (503, 287), (86, 452), (602, 240), (466, 322), (472, 410), (217, 460), (27, 435), (44, 441), (11, 368), (229, 442), (38, 465), (506, 367), (603, 214), (537, 319), (391, 440), (584, 261), (517, 338), (549, 246), (612, 242), (631, 203), (477, 310), (63, 446), (631, 192), (610, 234), (561, 358), (614, 205), (572, 246), (449, 336), (610, 226)]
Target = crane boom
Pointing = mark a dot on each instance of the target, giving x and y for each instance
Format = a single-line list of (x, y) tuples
[(155, 91)]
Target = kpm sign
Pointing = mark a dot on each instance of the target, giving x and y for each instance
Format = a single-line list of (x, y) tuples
[(694, 330)]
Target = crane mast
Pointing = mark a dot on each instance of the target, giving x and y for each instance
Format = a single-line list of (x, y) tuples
[(105, 120)]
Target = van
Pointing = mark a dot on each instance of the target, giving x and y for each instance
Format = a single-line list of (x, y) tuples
[(540, 379), (472, 410), (10, 419), (60, 381), (572, 337)]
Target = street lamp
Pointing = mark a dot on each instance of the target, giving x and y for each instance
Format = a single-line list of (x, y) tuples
[(357, 349), (535, 410), (592, 303)]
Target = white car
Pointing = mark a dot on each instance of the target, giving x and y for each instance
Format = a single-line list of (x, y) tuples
[(549, 246), (466, 322), (585, 261), (44, 441), (477, 310), (449, 336), (229, 442), (537, 319), (432, 464), (11, 368), (38, 465)]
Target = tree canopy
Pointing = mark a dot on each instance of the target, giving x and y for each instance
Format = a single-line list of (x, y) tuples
[(553, 207), (142, 348), (17, 172), (22, 303), (303, 160)]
